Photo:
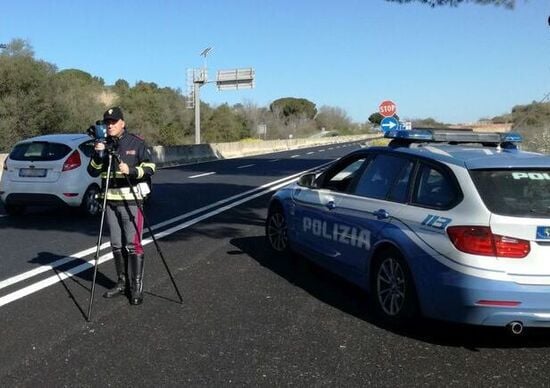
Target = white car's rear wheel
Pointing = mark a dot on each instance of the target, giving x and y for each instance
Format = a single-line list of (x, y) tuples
[(90, 202)]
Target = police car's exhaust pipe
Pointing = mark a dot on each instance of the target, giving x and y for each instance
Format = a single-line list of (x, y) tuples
[(515, 327)]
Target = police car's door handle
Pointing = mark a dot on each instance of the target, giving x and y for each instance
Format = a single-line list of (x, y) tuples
[(381, 214), (330, 205)]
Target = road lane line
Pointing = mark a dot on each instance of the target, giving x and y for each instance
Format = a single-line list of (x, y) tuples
[(61, 275), (199, 175), (246, 165), (44, 268), (294, 156)]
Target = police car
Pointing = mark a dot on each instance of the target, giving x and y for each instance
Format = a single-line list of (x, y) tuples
[(452, 225)]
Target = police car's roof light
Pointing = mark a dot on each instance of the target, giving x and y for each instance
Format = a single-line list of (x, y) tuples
[(512, 137), (448, 136), (416, 134)]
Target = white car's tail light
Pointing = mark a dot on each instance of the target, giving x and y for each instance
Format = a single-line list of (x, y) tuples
[(480, 240), (72, 162)]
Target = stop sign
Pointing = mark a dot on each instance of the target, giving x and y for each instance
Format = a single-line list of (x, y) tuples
[(387, 108)]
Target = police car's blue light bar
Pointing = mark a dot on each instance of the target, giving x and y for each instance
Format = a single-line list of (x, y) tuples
[(415, 134), (511, 137), (430, 135)]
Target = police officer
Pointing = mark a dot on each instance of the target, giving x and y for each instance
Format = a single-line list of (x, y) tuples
[(123, 214)]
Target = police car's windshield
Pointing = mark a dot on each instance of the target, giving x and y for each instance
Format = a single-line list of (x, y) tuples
[(523, 193)]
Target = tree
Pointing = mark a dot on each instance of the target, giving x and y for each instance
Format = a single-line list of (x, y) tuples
[(27, 92), (376, 118), (454, 3), (289, 107), (156, 113), (333, 119), (225, 125), (18, 48)]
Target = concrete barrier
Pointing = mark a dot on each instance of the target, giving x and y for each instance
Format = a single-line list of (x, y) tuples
[(196, 153), (173, 155)]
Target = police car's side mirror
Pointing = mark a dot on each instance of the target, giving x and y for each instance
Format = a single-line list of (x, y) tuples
[(307, 180)]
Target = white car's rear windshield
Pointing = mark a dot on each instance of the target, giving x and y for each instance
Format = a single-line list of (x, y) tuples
[(520, 193), (39, 151)]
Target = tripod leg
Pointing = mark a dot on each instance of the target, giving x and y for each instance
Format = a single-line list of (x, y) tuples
[(98, 245)]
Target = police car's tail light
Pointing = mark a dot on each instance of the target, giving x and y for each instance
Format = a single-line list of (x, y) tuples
[(72, 161), (480, 240)]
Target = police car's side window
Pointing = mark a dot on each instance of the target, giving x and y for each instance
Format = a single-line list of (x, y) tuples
[(341, 178), (400, 188), (434, 188), (380, 176)]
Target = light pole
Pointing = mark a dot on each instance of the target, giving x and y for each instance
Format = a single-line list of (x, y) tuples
[(197, 83)]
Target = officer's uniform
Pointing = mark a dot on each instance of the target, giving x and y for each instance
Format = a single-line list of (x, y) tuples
[(123, 214)]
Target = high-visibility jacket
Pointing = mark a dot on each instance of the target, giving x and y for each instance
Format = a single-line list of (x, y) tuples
[(133, 151)]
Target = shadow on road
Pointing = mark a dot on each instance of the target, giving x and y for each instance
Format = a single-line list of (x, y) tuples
[(82, 280), (350, 299)]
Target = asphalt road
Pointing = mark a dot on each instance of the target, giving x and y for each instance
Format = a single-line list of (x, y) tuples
[(248, 317)]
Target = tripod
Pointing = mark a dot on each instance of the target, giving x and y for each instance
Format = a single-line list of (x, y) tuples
[(111, 155)]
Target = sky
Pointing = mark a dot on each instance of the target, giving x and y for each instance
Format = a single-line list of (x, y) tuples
[(453, 64)]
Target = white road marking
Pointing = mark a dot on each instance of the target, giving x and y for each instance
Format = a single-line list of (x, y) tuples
[(199, 175), (62, 275), (294, 156), (274, 160), (311, 152), (246, 165)]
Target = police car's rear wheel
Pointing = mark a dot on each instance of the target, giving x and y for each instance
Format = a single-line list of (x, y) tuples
[(276, 230), (393, 289)]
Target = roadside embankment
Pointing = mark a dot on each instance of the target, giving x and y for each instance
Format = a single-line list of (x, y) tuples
[(196, 153)]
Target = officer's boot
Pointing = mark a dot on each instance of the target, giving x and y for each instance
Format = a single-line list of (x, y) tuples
[(136, 269), (121, 264)]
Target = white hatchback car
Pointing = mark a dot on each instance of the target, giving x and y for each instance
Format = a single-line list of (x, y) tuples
[(50, 170)]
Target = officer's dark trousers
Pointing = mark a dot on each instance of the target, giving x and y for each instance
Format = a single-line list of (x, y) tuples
[(125, 222)]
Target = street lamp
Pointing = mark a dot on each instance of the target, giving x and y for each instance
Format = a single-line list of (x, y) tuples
[(197, 83)]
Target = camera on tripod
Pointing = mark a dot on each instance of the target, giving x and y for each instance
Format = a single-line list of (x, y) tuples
[(99, 132)]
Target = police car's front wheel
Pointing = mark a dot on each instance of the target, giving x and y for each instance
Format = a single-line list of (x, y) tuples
[(392, 288), (276, 229)]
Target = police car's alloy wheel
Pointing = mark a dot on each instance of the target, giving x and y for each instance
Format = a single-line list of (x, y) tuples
[(276, 230), (393, 288)]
